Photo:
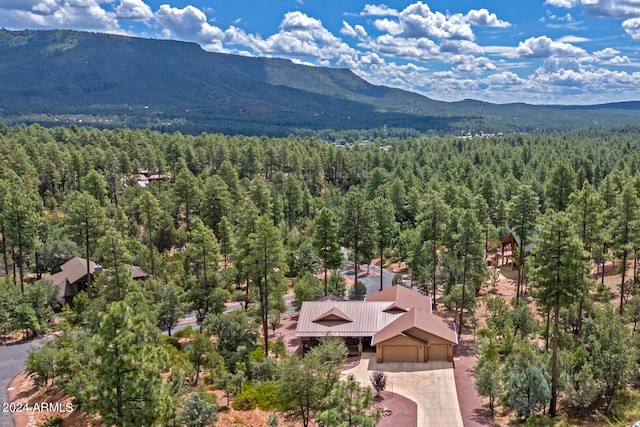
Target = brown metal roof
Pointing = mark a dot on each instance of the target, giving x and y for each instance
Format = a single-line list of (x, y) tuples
[(334, 313), (76, 269), (403, 298), (368, 318), (418, 319), (138, 273), (381, 316)]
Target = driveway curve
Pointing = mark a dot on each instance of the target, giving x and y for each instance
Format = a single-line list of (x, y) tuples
[(12, 362), (431, 385)]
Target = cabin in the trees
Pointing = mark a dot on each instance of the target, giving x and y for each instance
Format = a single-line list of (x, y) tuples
[(72, 277), (396, 323), (144, 177), (509, 243)]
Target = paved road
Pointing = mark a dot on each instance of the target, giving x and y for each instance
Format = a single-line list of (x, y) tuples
[(372, 282), (288, 299), (13, 357), (12, 362)]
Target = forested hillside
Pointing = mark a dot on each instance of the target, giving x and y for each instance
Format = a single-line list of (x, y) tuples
[(214, 218), (108, 81)]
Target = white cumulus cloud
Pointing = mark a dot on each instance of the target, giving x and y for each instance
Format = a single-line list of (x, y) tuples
[(378, 10), (621, 9), (189, 23), (620, 60), (544, 47), (302, 35), (606, 52), (58, 14), (483, 18), (632, 28), (135, 10), (357, 31), (418, 20)]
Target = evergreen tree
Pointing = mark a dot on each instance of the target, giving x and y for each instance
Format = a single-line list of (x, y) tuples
[(386, 228), (348, 406), (585, 209), (168, 297), (197, 412), (149, 211), (356, 225), (260, 195), (230, 176), (187, 193), (226, 239), (488, 381), (625, 231), (203, 250), (123, 382), (84, 221), (200, 353), (524, 210), (433, 221), (561, 182), (612, 354), (325, 241), (307, 288), (469, 249), (95, 185), (217, 202), (115, 259), (21, 219), (528, 390), (265, 262), (558, 271)]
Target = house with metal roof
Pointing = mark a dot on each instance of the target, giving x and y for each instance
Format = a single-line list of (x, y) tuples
[(72, 277), (396, 323)]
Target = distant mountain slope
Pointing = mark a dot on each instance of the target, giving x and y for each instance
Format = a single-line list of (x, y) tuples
[(108, 80)]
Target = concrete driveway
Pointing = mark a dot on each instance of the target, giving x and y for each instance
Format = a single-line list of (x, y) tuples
[(431, 385)]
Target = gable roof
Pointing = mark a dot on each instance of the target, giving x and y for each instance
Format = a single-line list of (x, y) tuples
[(403, 298), (394, 307), (398, 305), (138, 273), (333, 314), (365, 318), (513, 237), (75, 270), (418, 319), (72, 271)]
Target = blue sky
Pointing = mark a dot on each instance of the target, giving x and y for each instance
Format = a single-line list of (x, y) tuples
[(540, 52)]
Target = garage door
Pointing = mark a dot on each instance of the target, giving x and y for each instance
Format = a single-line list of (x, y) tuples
[(438, 352), (400, 353)]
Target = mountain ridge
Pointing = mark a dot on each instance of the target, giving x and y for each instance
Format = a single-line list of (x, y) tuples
[(110, 80)]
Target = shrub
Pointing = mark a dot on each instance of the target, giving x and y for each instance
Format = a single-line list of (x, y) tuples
[(264, 370), (268, 395), (247, 400), (279, 348), (378, 381), (257, 354), (184, 333), (171, 342)]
